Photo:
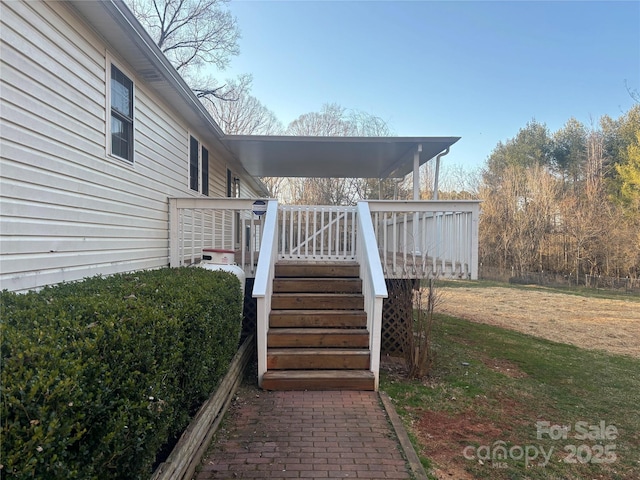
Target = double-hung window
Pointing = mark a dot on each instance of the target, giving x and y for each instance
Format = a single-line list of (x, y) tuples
[(198, 167), (205, 171), (194, 163), (121, 115)]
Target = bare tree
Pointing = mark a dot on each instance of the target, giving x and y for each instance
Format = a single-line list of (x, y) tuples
[(418, 346), (537, 204), (241, 113), (192, 34), (277, 186), (497, 221), (595, 156), (586, 219), (331, 121), (334, 120), (517, 216), (633, 92)]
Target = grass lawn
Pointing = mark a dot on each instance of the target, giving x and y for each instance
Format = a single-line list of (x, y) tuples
[(505, 405)]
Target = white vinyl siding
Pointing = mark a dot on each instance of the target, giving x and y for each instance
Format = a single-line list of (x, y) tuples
[(68, 209)]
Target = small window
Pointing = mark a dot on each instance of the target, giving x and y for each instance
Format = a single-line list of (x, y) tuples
[(121, 115), (194, 164), (229, 183), (205, 171)]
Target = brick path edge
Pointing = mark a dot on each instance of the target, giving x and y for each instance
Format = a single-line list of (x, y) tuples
[(415, 465)]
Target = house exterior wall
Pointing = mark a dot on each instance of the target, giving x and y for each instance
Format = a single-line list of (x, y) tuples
[(68, 209)]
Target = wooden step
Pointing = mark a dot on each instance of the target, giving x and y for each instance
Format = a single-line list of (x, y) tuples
[(317, 270), (317, 337), (317, 285), (317, 358), (317, 301), (318, 380), (318, 318)]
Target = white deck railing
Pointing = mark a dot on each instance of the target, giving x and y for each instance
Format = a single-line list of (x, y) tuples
[(220, 223), (415, 239), (419, 239), (317, 233)]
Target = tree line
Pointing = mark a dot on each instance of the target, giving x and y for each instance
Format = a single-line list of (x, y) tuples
[(565, 201)]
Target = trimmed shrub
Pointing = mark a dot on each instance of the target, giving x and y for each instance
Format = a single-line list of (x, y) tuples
[(98, 375)]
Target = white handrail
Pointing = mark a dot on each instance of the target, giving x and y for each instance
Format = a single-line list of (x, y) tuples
[(263, 284), (374, 287)]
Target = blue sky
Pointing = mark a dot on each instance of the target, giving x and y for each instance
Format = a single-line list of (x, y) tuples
[(474, 69)]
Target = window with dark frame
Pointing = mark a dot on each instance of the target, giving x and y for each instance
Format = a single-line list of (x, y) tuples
[(194, 150), (121, 115), (205, 171), (229, 183)]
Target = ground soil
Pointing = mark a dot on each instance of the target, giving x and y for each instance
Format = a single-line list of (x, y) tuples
[(592, 323)]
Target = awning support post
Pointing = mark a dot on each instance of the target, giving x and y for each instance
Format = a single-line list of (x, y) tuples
[(416, 196), (416, 173)]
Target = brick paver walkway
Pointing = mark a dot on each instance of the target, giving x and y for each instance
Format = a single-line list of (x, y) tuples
[(305, 435)]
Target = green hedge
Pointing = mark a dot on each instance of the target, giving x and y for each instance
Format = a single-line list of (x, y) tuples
[(98, 375)]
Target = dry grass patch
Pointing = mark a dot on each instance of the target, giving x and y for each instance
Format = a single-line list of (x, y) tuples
[(612, 325)]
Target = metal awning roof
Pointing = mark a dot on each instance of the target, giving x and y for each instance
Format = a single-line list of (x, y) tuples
[(342, 157)]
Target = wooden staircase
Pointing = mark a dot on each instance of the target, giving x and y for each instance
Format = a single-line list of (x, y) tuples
[(318, 338)]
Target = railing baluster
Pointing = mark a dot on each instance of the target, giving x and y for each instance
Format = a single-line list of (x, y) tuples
[(193, 231), (405, 245), (215, 230), (329, 227), (394, 231), (291, 232), (243, 238), (336, 234), (283, 214), (306, 232), (423, 243), (201, 242), (321, 232), (181, 237), (385, 245), (299, 230), (345, 245)]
